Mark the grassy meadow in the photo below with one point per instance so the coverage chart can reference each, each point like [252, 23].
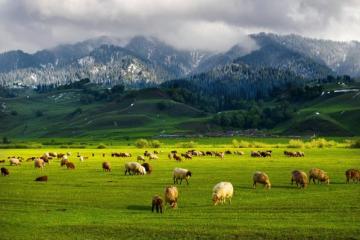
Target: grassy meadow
[87, 203]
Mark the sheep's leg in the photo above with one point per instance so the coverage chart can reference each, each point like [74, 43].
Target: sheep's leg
[181, 180]
[161, 209]
[254, 185]
[174, 180]
[187, 181]
[152, 207]
[157, 208]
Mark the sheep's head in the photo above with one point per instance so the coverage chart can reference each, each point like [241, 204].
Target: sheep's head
[215, 199]
[188, 174]
[268, 184]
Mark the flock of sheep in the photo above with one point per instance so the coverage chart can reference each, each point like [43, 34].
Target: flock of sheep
[221, 192]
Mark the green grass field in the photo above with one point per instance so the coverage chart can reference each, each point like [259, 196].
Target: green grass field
[87, 203]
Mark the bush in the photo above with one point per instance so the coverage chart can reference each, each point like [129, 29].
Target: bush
[101, 146]
[155, 144]
[321, 143]
[258, 145]
[296, 143]
[355, 144]
[141, 143]
[243, 144]
[190, 144]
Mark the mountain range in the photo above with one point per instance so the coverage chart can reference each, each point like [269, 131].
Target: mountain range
[147, 61]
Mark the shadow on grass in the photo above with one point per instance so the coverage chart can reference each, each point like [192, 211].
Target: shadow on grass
[139, 207]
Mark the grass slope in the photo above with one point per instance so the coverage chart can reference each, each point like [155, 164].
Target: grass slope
[88, 203]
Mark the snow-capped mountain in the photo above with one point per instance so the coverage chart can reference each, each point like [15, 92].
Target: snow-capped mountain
[147, 61]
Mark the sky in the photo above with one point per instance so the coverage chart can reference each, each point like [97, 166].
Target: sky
[213, 25]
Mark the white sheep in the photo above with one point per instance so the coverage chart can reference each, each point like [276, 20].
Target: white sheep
[39, 163]
[14, 161]
[134, 168]
[180, 174]
[221, 192]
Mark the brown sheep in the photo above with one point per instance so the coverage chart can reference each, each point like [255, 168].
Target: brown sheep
[157, 203]
[4, 171]
[171, 196]
[255, 154]
[42, 179]
[140, 158]
[261, 177]
[106, 166]
[318, 174]
[147, 167]
[2, 161]
[300, 178]
[39, 163]
[177, 158]
[353, 174]
[70, 165]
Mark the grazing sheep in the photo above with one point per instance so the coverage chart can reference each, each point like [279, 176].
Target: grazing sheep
[353, 174]
[2, 161]
[42, 179]
[52, 154]
[14, 161]
[147, 167]
[157, 202]
[266, 153]
[153, 156]
[221, 192]
[170, 156]
[140, 158]
[177, 158]
[106, 166]
[188, 156]
[181, 173]
[228, 152]
[39, 163]
[171, 196]
[255, 154]
[134, 168]
[70, 165]
[220, 154]
[318, 174]
[208, 153]
[300, 178]
[261, 177]
[60, 155]
[63, 161]
[4, 171]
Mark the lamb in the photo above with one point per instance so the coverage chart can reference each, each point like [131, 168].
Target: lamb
[39, 163]
[134, 168]
[106, 166]
[147, 167]
[140, 158]
[4, 171]
[171, 196]
[261, 177]
[70, 165]
[181, 173]
[318, 174]
[42, 179]
[300, 178]
[353, 174]
[157, 202]
[14, 161]
[221, 192]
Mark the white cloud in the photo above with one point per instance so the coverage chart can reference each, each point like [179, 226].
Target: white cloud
[209, 24]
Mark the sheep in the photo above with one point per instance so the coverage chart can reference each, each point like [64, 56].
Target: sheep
[221, 192]
[228, 152]
[171, 196]
[239, 153]
[156, 152]
[2, 161]
[63, 161]
[220, 154]
[170, 156]
[157, 203]
[52, 154]
[70, 165]
[320, 175]
[106, 166]
[181, 173]
[187, 156]
[140, 158]
[300, 178]
[134, 168]
[261, 177]
[153, 156]
[177, 158]
[147, 167]
[39, 163]
[15, 161]
[255, 154]
[81, 158]
[353, 174]
[42, 179]
[4, 171]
